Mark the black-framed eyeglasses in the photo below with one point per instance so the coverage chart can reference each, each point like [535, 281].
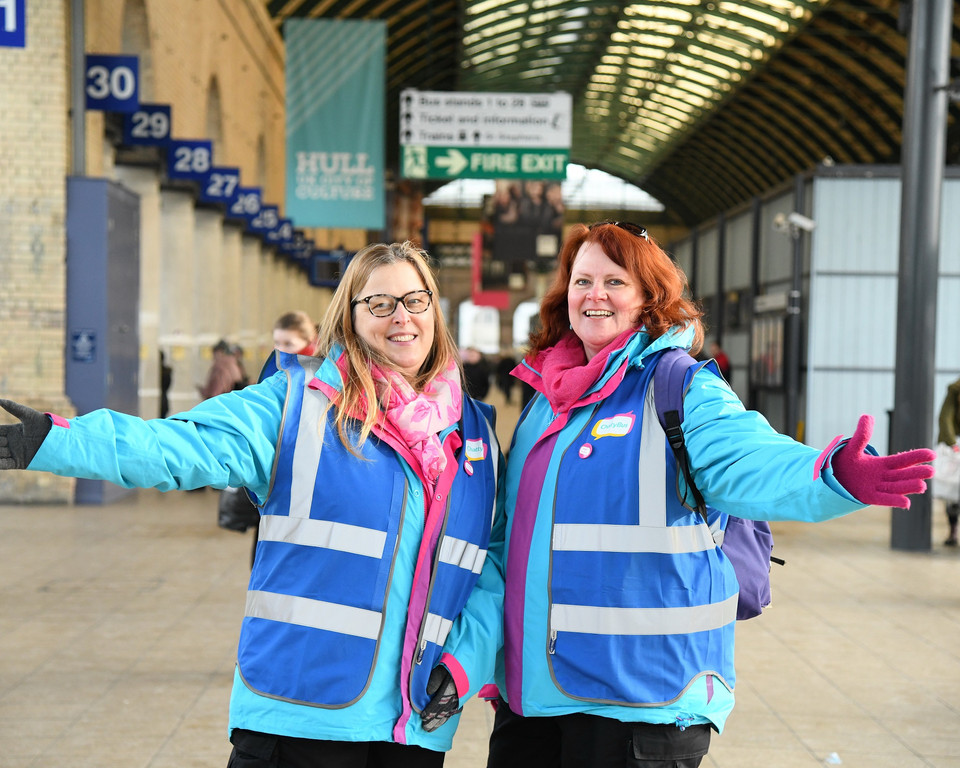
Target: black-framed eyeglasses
[634, 229]
[384, 305]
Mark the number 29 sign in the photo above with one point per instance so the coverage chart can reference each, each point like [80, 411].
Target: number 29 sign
[111, 83]
[148, 124]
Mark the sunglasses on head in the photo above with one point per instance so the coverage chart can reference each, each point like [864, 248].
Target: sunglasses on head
[634, 229]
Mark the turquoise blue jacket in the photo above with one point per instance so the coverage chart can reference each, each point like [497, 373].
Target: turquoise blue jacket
[740, 464]
[231, 440]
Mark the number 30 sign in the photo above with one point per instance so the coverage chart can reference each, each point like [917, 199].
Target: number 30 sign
[112, 83]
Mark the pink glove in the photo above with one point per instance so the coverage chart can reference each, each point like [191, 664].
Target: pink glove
[883, 480]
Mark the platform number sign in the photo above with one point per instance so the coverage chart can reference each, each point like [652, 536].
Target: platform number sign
[282, 233]
[245, 203]
[267, 219]
[13, 23]
[149, 124]
[220, 185]
[189, 159]
[111, 83]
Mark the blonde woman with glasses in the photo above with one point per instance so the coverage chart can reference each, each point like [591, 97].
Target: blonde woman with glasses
[374, 604]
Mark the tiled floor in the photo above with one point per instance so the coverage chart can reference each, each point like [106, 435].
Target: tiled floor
[118, 629]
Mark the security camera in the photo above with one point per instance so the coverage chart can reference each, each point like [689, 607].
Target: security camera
[800, 221]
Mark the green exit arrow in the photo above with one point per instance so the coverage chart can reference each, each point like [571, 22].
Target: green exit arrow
[454, 162]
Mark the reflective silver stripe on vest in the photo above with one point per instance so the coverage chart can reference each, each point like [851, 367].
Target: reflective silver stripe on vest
[595, 620]
[495, 458]
[436, 628]
[585, 537]
[342, 537]
[317, 614]
[306, 452]
[462, 554]
[652, 470]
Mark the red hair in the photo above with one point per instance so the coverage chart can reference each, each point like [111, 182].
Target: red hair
[662, 282]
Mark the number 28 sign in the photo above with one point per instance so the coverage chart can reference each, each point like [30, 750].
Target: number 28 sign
[189, 159]
[111, 83]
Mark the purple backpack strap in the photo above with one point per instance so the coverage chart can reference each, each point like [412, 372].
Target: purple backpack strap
[668, 387]
[748, 544]
[668, 379]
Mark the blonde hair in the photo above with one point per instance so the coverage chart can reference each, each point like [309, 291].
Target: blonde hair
[338, 328]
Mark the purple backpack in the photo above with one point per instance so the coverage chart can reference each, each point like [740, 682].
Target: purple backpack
[748, 544]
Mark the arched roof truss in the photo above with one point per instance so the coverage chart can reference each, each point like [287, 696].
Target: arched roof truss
[703, 103]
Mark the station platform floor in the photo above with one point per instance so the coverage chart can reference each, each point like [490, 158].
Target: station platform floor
[118, 630]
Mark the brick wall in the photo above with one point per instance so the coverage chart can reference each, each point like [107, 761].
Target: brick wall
[184, 46]
[33, 161]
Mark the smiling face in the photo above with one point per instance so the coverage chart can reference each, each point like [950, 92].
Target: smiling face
[403, 338]
[603, 299]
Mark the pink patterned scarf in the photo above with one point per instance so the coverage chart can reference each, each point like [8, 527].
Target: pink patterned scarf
[420, 417]
[567, 374]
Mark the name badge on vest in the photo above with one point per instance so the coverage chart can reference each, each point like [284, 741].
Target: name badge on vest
[475, 450]
[615, 426]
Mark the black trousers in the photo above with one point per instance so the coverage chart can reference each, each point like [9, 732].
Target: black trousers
[264, 750]
[589, 741]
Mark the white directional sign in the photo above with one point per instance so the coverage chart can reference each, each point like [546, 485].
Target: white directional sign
[447, 135]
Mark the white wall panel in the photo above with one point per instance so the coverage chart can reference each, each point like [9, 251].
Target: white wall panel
[683, 254]
[858, 225]
[707, 262]
[853, 304]
[776, 249]
[739, 247]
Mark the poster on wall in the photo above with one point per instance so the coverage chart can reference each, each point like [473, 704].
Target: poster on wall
[335, 83]
[522, 227]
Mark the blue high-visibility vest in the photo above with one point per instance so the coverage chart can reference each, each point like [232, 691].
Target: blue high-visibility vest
[327, 545]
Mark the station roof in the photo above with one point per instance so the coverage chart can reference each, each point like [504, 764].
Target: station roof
[702, 103]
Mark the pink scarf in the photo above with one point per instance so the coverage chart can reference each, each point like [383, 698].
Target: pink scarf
[566, 374]
[420, 417]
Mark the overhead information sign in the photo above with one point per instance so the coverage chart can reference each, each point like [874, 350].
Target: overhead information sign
[447, 135]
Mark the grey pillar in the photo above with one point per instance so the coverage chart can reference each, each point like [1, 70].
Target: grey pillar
[922, 158]
[791, 404]
[78, 84]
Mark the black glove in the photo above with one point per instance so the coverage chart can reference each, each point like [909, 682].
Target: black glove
[445, 702]
[19, 443]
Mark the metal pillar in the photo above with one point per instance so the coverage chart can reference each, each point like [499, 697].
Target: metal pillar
[922, 158]
[791, 406]
[78, 101]
[719, 322]
[755, 216]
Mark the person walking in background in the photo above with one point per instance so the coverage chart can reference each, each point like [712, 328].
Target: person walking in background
[949, 428]
[225, 373]
[620, 606]
[476, 372]
[723, 362]
[166, 379]
[504, 378]
[296, 333]
[374, 605]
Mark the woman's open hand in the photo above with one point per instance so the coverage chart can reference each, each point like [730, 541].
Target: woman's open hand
[883, 480]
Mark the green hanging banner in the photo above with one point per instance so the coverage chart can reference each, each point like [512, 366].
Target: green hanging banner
[335, 81]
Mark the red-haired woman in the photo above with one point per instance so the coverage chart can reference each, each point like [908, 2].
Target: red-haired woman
[620, 607]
